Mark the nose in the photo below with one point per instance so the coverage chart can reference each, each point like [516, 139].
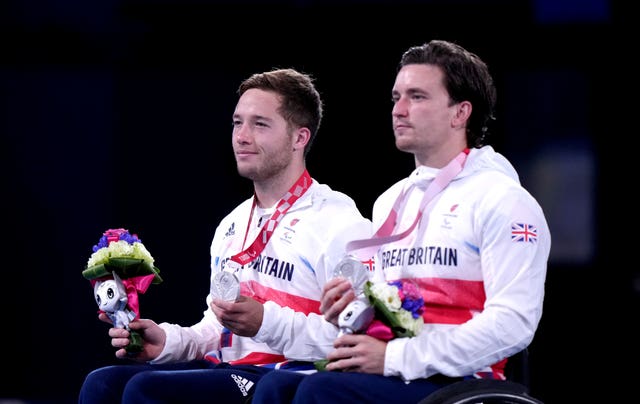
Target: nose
[399, 107]
[241, 133]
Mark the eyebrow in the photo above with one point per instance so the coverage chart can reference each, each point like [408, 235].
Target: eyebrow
[253, 117]
[411, 91]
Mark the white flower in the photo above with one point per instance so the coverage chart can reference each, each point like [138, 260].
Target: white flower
[99, 257]
[388, 294]
[409, 323]
[120, 248]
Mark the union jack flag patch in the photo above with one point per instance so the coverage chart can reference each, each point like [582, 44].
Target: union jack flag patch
[226, 338]
[524, 232]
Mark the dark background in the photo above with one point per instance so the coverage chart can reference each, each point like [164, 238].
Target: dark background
[117, 114]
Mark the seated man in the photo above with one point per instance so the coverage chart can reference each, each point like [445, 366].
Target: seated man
[282, 245]
[460, 227]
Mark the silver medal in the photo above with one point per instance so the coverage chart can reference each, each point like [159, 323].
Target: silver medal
[354, 270]
[225, 286]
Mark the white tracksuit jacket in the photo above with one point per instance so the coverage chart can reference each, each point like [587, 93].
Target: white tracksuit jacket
[287, 276]
[480, 260]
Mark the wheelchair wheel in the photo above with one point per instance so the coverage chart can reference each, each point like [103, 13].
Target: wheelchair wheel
[484, 391]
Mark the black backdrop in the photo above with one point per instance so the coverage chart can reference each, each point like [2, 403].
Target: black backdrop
[117, 114]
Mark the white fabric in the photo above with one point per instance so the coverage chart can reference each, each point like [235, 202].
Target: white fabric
[467, 246]
[307, 245]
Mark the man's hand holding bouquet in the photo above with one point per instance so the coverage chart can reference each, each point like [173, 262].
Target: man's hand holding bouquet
[119, 269]
[386, 311]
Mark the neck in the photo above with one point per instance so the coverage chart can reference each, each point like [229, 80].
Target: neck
[269, 192]
[438, 157]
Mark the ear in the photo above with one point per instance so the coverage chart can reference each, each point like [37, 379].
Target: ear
[462, 114]
[301, 138]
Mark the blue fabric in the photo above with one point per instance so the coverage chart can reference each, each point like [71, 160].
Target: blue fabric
[184, 382]
[281, 386]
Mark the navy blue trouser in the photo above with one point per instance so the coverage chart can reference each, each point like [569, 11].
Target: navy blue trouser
[185, 382]
[283, 386]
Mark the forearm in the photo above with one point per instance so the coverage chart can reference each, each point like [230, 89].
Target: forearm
[296, 335]
[188, 343]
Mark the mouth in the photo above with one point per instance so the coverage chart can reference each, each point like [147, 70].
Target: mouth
[400, 126]
[244, 153]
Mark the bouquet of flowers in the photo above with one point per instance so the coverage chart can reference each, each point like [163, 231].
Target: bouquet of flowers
[120, 268]
[392, 309]
[398, 305]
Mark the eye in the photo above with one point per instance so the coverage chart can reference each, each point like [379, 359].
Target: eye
[98, 300]
[110, 293]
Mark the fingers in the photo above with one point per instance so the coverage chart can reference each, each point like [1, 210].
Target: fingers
[347, 341]
[221, 304]
[243, 317]
[102, 316]
[343, 359]
[237, 310]
[119, 338]
[118, 333]
[141, 324]
[333, 291]
[135, 356]
[338, 282]
[219, 307]
[337, 294]
[120, 342]
[359, 353]
[121, 353]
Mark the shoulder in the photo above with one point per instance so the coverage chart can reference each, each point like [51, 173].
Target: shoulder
[499, 200]
[494, 186]
[323, 197]
[393, 190]
[333, 208]
[241, 210]
[387, 198]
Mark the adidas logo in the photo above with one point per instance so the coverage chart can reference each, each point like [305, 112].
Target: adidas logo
[231, 230]
[243, 384]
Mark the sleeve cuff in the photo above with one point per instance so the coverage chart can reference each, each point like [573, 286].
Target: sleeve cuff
[269, 316]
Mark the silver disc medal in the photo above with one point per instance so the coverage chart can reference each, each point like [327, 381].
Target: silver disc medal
[352, 269]
[225, 286]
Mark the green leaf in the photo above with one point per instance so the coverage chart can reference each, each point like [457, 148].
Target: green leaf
[135, 342]
[96, 271]
[125, 267]
[321, 365]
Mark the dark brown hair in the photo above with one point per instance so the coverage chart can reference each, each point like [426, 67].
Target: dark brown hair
[466, 78]
[301, 103]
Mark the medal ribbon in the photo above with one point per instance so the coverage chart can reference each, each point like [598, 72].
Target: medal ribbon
[293, 194]
[385, 234]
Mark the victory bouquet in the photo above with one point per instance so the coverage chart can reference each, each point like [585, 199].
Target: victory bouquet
[398, 305]
[119, 269]
[388, 310]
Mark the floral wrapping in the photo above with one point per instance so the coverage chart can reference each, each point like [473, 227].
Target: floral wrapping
[123, 254]
[398, 307]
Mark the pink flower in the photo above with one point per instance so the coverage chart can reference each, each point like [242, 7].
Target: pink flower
[380, 330]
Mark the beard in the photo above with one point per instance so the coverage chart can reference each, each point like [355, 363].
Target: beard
[266, 168]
